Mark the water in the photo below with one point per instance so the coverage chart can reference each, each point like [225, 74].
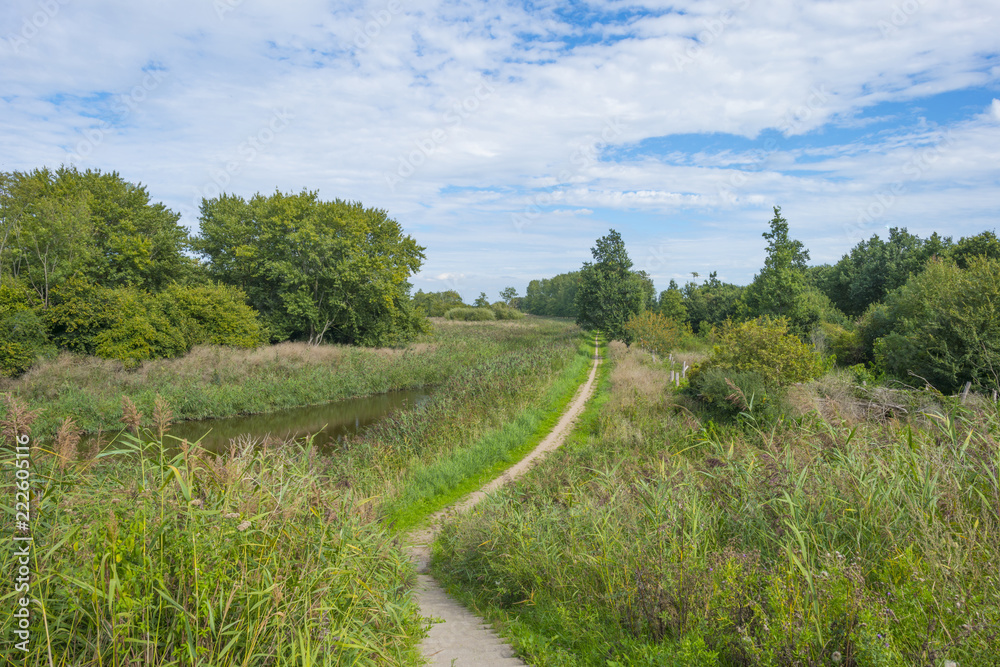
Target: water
[339, 418]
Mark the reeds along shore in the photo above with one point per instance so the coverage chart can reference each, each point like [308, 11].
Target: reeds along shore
[843, 534]
[268, 554]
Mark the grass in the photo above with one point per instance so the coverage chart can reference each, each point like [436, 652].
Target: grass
[432, 487]
[254, 558]
[267, 554]
[213, 381]
[656, 538]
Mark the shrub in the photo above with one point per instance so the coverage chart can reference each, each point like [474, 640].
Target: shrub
[504, 312]
[726, 393]
[765, 346]
[942, 326]
[211, 314]
[655, 333]
[121, 323]
[22, 333]
[470, 314]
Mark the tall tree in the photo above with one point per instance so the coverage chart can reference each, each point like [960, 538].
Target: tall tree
[873, 268]
[315, 270]
[94, 224]
[553, 297]
[610, 293]
[781, 289]
[671, 303]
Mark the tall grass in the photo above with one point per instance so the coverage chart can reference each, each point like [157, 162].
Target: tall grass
[214, 381]
[654, 538]
[252, 558]
[269, 554]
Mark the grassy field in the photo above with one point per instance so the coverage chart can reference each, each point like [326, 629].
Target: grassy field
[855, 532]
[274, 555]
[215, 381]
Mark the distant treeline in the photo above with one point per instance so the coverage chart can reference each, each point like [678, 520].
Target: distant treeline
[917, 309]
[88, 263]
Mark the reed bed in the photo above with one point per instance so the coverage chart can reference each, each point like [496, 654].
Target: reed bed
[656, 538]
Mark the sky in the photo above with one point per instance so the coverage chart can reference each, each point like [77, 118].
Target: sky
[507, 137]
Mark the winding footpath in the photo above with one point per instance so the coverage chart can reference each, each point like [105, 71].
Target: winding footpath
[464, 639]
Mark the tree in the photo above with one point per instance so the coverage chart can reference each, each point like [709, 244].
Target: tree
[436, 304]
[711, 303]
[873, 268]
[655, 333]
[610, 292]
[509, 296]
[482, 301]
[63, 223]
[985, 244]
[781, 289]
[552, 297]
[671, 303]
[315, 270]
[942, 326]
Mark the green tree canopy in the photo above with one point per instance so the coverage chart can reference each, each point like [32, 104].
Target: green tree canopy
[985, 244]
[671, 303]
[942, 326]
[315, 270]
[99, 226]
[710, 303]
[873, 268]
[552, 297]
[436, 304]
[782, 289]
[610, 293]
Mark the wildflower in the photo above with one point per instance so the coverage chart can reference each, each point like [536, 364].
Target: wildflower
[231, 515]
[198, 502]
[836, 657]
[950, 663]
[243, 526]
[824, 574]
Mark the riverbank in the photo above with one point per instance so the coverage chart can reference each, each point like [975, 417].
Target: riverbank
[213, 381]
[267, 555]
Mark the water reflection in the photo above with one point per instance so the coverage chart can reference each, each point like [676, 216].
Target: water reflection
[339, 418]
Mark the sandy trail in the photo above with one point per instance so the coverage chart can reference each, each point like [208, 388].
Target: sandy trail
[464, 638]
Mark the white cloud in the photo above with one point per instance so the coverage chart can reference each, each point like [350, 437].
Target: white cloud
[367, 85]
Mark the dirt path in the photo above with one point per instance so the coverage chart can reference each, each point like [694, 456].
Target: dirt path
[463, 638]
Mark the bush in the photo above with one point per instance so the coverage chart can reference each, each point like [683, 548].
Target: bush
[726, 393]
[122, 323]
[23, 336]
[655, 333]
[502, 311]
[844, 344]
[942, 326]
[470, 314]
[766, 347]
[211, 314]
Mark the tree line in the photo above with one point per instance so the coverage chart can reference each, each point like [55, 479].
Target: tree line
[919, 310]
[89, 263]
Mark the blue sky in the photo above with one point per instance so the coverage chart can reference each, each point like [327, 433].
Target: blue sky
[507, 137]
